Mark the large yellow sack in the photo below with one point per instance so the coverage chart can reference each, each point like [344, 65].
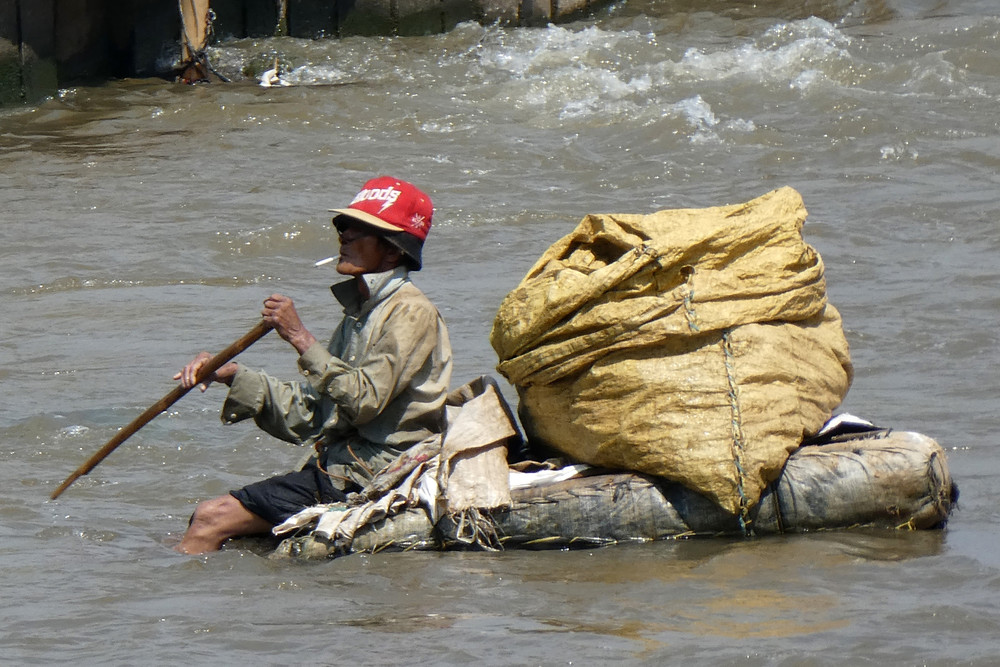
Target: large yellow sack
[695, 344]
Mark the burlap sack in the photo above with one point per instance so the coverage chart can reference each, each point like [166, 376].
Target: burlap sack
[695, 344]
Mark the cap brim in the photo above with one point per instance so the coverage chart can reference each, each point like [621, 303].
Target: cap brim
[366, 218]
[410, 245]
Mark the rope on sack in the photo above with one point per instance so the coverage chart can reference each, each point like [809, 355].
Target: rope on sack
[687, 291]
[738, 440]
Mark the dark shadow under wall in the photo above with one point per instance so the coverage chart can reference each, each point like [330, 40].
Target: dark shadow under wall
[50, 44]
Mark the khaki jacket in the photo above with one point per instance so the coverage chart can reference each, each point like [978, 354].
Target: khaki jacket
[378, 388]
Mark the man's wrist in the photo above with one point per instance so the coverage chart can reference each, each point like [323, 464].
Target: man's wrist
[226, 373]
[303, 342]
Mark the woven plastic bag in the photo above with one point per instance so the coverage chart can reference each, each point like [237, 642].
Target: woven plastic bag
[694, 344]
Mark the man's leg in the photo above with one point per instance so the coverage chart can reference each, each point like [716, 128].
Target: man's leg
[256, 508]
[215, 521]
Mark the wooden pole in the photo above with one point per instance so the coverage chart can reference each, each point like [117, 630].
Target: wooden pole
[281, 30]
[213, 364]
[194, 26]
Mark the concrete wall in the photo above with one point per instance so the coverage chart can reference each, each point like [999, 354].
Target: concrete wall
[11, 86]
[315, 19]
[48, 44]
[27, 48]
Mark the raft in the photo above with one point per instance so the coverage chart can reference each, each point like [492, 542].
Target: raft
[878, 478]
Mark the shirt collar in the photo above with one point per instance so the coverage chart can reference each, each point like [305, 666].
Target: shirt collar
[380, 285]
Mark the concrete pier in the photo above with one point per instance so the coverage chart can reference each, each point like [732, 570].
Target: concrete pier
[48, 44]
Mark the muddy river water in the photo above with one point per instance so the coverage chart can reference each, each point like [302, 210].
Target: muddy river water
[142, 221]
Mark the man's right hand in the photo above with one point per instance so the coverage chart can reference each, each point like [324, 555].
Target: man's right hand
[189, 374]
[279, 311]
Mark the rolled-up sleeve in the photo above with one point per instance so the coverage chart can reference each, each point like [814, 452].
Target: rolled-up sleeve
[291, 411]
[245, 398]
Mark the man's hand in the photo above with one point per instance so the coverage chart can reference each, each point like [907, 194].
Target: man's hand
[279, 312]
[189, 374]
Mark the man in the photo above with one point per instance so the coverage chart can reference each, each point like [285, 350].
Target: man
[378, 388]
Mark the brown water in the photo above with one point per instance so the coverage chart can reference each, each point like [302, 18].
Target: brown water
[143, 221]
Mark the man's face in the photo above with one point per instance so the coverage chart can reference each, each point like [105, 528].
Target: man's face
[362, 251]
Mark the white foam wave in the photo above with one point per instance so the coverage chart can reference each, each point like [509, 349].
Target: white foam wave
[316, 75]
[801, 53]
[602, 76]
[699, 114]
[568, 74]
[527, 52]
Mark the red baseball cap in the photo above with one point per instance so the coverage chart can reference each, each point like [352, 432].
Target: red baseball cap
[392, 205]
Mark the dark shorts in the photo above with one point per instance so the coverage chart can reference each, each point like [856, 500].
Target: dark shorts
[280, 497]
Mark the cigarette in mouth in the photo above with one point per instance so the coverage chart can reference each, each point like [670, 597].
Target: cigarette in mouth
[327, 260]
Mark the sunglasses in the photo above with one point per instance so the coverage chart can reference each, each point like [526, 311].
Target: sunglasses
[349, 237]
